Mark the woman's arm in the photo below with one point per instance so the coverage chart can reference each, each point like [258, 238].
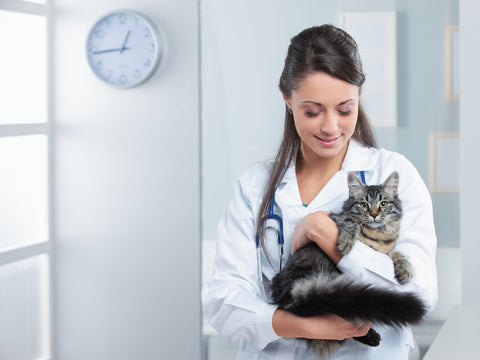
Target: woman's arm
[321, 229]
[325, 327]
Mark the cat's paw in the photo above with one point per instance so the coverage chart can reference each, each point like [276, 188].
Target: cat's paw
[371, 339]
[403, 268]
[344, 243]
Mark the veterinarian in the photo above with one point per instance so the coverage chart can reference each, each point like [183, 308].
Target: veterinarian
[326, 136]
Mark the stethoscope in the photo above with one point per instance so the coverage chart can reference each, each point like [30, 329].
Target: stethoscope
[279, 231]
[280, 240]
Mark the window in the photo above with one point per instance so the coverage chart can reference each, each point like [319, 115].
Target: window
[25, 235]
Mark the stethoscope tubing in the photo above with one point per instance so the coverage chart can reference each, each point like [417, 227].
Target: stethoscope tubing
[280, 238]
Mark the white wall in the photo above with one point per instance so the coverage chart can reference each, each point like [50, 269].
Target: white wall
[469, 164]
[126, 200]
[244, 45]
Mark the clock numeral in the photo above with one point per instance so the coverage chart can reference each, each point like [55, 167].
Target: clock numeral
[107, 22]
[99, 33]
[99, 65]
[152, 48]
[123, 79]
[122, 19]
[146, 33]
[137, 74]
[147, 63]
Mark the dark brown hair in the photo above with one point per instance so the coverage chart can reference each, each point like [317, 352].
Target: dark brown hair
[326, 49]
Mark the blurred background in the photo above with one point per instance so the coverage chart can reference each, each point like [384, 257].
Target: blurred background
[109, 198]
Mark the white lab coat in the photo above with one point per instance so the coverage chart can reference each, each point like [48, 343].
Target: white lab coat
[232, 298]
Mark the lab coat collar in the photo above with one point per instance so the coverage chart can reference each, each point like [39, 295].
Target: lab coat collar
[358, 158]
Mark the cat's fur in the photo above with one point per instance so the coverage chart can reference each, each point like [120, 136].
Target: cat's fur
[311, 284]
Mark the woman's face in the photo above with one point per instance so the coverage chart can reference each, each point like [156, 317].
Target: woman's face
[325, 111]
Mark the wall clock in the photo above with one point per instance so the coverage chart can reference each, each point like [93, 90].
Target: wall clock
[123, 48]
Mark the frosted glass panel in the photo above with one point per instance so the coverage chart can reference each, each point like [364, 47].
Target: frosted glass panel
[24, 316]
[23, 191]
[23, 85]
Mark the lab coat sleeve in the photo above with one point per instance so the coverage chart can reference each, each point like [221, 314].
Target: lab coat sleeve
[231, 297]
[417, 239]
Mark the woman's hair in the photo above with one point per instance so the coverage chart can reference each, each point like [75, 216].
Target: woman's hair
[326, 49]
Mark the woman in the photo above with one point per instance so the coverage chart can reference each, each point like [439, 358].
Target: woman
[326, 136]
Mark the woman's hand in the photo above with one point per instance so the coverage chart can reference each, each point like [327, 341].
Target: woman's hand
[324, 327]
[333, 327]
[321, 229]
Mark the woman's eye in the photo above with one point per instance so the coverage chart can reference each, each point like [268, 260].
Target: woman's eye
[345, 113]
[312, 110]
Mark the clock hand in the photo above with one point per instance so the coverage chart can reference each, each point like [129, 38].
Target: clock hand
[125, 42]
[110, 50]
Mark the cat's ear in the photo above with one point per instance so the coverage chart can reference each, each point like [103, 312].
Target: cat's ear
[355, 185]
[391, 184]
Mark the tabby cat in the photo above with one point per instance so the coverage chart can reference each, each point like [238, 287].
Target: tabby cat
[311, 284]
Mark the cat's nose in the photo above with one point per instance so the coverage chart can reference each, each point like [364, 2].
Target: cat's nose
[374, 215]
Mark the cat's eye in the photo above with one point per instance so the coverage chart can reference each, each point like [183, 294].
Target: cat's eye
[383, 204]
[364, 205]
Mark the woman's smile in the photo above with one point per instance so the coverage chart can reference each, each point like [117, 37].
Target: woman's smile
[327, 142]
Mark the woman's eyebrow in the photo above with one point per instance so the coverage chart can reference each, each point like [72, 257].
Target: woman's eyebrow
[320, 104]
[347, 101]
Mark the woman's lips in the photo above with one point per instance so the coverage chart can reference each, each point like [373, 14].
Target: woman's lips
[328, 142]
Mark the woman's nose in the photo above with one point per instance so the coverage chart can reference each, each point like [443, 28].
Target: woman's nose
[329, 124]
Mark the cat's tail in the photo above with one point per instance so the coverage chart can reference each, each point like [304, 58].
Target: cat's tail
[354, 301]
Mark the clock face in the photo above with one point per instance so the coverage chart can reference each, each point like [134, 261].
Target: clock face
[123, 49]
